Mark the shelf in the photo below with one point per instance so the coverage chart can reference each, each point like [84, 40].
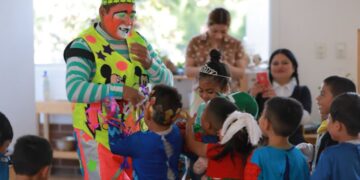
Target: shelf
[50, 108]
[54, 107]
[65, 154]
[310, 138]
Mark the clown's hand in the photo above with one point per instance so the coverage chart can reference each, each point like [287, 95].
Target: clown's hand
[132, 95]
[141, 54]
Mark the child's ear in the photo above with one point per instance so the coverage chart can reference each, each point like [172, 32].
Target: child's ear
[44, 172]
[267, 124]
[339, 126]
[226, 89]
[102, 11]
[206, 125]
[148, 108]
[148, 112]
[152, 101]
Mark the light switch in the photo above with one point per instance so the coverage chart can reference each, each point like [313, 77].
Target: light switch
[340, 50]
[320, 51]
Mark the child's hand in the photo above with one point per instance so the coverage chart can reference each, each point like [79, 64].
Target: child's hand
[190, 121]
[200, 165]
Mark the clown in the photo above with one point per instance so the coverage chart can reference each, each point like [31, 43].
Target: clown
[108, 67]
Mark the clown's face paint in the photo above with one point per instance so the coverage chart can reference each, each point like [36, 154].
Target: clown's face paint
[119, 20]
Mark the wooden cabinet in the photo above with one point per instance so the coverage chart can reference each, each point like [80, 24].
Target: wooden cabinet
[48, 108]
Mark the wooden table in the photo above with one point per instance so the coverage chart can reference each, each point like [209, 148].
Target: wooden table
[48, 108]
[310, 138]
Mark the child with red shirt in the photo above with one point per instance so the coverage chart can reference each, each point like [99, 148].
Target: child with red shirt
[238, 133]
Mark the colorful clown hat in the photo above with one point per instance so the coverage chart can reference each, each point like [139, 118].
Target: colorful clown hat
[109, 2]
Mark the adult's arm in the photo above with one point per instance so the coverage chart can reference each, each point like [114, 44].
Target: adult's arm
[305, 98]
[238, 69]
[158, 72]
[79, 72]
[190, 67]
[194, 146]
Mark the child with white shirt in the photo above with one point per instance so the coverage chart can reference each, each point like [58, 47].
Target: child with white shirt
[284, 82]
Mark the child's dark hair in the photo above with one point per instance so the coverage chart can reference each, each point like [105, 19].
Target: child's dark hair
[291, 57]
[31, 154]
[167, 105]
[284, 114]
[239, 143]
[339, 85]
[219, 16]
[345, 108]
[215, 70]
[6, 131]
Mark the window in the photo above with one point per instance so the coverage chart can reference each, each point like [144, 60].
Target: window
[168, 25]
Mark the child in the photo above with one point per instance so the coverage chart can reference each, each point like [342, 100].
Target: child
[6, 136]
[332, 86]
[214, 80]
[342, 161]
[238, 131]
[279, 160]
[32, 158]
[155, 153]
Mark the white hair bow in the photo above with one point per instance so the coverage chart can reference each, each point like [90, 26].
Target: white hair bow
[235, 122]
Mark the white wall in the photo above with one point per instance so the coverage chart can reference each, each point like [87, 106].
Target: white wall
[306, 25]
[17, 65]
[56, 75]
[257, 28]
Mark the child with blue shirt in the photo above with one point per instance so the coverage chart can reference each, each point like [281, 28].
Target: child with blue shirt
[155, 153]
[279, 159]
[342, 161]
[6, 136]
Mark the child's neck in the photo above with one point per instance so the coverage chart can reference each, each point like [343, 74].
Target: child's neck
[23, 177]
[346, 137]
[279, 142]
[158, 129]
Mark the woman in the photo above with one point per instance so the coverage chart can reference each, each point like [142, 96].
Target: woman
[283, 76]
[217, 37]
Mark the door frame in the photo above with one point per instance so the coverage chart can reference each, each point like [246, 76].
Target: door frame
[358, 61]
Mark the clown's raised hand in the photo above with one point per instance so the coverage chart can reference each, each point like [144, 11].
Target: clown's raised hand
[141, 54]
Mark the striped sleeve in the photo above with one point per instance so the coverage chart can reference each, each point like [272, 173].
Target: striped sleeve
[79, 73]
[158, 72]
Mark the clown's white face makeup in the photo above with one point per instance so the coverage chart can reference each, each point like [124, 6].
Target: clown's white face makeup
[119, 20]
[124, 31]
